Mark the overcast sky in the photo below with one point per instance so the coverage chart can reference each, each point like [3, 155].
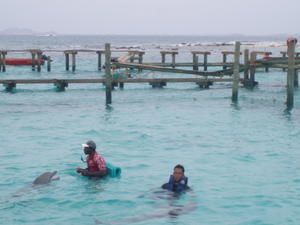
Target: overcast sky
[182, 17]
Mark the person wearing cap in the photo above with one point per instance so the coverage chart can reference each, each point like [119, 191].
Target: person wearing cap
[96, 166]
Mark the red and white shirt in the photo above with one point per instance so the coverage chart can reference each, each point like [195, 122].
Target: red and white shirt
[95, 162]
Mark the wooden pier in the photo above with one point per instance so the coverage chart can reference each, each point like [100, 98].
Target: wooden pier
[224, 71]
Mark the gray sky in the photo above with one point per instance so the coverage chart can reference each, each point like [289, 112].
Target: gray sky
[182, 17]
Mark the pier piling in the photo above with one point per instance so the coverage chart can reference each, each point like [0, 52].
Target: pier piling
[267, 55]
[296, 79]
[246, 66]
[205, 55]
[172, 53]
[252, 82]
[48, 63]
[2, 60]
[224, 60]
[108, 76]
[141, 59]
[67, 61]
[284, 56]
[236, 72]
[291, 43]
[163, 57]
[99, 53]
[39, 57]
[74, 60]
[196, 59]
[195, 62]
[33, 60]
[225, 54]
[173, 60]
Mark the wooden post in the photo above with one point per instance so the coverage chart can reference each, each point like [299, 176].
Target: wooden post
[296, 79]
[236, 72]
[39, 56]
[99, 60]
[291, 43]
[74, 61]
[140, 60]
[33, 61]
[0, 61]
[131, 59]
[108, 77]
[246, 65]
[173, 60]
[205, 61]
[48, 63]
[283, 55]
[163, 57]
[252, 69]
[3, 61]
[195, 62]
[67, 61]
[224, 60]
[267, 54]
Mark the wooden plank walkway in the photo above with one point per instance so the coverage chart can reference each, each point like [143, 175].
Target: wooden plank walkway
[102, 80]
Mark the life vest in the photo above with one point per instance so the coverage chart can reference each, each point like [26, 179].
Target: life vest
[179, 186]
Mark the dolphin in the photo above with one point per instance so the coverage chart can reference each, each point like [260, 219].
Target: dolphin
[45, 178]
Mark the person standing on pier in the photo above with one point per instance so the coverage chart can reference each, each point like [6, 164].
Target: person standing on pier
[96, 166]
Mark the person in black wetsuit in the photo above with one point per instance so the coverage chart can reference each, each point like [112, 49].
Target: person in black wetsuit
[178, 182]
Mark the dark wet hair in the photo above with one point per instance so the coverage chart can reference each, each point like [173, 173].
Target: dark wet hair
[179, 167]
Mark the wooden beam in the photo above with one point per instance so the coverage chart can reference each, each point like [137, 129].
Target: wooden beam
[171, 70]
[101, 80]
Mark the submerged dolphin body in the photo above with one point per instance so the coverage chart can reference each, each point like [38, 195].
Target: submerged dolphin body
[171, 211]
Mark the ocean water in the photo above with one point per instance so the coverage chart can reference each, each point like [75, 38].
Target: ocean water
[242, 160]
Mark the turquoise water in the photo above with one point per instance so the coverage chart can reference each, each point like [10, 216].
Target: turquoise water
[242, 160]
